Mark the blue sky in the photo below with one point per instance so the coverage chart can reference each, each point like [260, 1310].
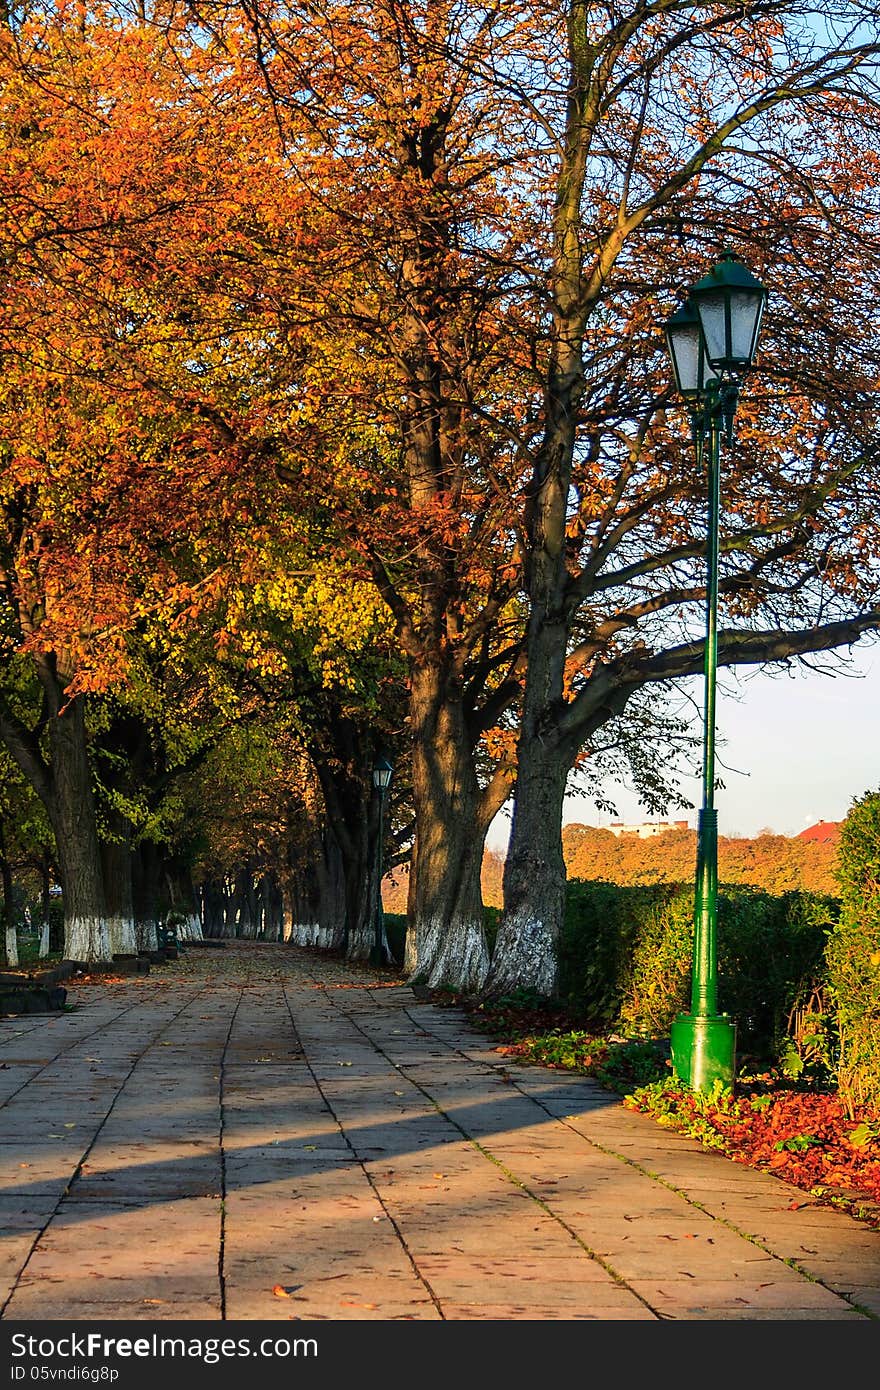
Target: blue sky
[796, 748]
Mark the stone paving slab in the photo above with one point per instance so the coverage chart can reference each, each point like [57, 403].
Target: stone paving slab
[268, 1133]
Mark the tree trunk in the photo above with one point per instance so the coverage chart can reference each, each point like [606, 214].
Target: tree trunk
[214, 908]
[304, 909]
[183, 898]
[272, 906]
[145, 894]
[9, 934]
[116, 866]
[72, 813]
[347, 886]
[64, 784]
[526, 948]
[288, 893]
[308, 870]
[360, 903]
[446, 942]
[230, 908]
[246, 921]
[347, 849]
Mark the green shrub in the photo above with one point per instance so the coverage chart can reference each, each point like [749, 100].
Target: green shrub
[770, 959]
[491, 919]
[853, 955]
[603, 924]
[659, 981]
[625, 957]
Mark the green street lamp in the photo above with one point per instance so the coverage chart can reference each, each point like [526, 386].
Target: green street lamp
[382, 772]
[712, 341]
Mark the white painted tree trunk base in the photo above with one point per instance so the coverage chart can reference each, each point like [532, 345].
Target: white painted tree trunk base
[87, 939]
[311, 934]
[454, 955]
[123, 941]
[190, 929]
[146, 936]
[11, 946]
[361, 943]
[525, 957]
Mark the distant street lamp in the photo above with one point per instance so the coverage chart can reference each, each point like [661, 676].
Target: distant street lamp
[712, 341]
[382, 771]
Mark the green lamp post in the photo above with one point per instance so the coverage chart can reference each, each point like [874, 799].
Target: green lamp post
[382, 770]
[711, 341]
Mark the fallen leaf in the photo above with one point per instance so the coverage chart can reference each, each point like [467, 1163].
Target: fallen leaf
[154, 1301]
[70, 1125]
[280, 1291]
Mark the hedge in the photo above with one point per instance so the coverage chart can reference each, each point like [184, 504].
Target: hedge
[854, 954]
[625, 956]
[625, 962]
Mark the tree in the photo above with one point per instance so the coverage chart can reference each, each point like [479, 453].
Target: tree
[697, 120]
[509, 193]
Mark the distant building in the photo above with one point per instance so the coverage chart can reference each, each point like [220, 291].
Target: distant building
[827, 832]
[647, 829]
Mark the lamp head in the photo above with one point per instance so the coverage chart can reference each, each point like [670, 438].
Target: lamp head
[729, 303]
[687, 349]
[382, 771]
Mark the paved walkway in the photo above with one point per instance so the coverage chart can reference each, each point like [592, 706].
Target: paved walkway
[260, 1133]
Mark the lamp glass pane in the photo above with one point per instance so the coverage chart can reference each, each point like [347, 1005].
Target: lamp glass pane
[745, 313]
[684, 349]
[382, 777]
[708, 373]
[712, 311]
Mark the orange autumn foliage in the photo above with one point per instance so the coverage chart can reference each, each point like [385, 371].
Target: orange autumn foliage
[775, 863]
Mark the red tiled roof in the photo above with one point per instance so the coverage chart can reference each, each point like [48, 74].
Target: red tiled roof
[825, 831]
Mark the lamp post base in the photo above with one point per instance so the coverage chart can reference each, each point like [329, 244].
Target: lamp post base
[704, 1050]
[377, 956]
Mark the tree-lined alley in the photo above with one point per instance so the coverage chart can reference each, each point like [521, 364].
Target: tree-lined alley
[336, 418]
